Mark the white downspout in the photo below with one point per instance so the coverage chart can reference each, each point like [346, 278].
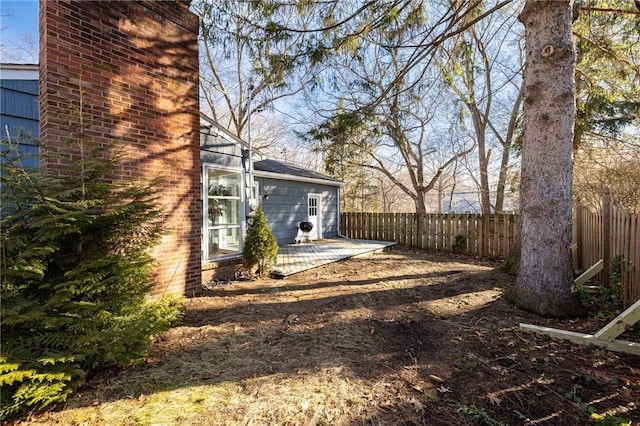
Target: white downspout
[249, 89]
[250, 201]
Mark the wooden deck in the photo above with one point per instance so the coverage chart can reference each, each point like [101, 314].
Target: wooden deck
[294, 258]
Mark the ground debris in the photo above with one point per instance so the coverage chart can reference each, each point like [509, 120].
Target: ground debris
[435, 378]
[364, 341]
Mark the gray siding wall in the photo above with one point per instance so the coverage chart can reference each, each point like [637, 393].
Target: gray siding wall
[217, 150]
[286, 207]
[20, 112]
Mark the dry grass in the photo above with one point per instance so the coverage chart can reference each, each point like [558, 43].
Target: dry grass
[354, 343]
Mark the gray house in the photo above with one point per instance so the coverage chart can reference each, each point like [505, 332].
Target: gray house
[288, 195]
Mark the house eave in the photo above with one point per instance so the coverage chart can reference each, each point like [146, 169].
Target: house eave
[19, 71]
[271, 175]
[215, 129]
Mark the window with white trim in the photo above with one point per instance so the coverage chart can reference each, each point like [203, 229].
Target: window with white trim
[224, 212]
[313, 206]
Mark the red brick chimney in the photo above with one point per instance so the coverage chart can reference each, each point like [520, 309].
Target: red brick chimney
[134, 67]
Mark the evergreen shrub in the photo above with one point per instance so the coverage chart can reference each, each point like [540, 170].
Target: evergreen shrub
[75, 267]
[260, 247]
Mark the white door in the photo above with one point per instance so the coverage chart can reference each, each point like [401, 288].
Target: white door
[314, 213]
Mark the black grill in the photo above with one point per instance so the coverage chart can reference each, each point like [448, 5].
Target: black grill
[306, 226]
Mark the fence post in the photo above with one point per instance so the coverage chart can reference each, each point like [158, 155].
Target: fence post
[606, 238]
[579, 239]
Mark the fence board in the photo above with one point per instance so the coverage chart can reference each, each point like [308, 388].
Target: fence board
[466, 248]
[432, 233]
[472, 235]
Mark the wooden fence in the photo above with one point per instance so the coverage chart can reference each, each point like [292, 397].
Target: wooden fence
[612, 235]
[474, 234]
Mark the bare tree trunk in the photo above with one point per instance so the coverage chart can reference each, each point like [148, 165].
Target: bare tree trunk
[419, 201]
[507, 145]
[484, 155]
[485, 195]
[546, 275]
[502, 179]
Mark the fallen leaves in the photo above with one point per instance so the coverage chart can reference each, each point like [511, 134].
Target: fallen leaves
[443, 389]
[494, 399]
[417, 406]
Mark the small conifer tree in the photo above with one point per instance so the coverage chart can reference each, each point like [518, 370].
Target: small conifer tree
[260, 246]
[75, 268]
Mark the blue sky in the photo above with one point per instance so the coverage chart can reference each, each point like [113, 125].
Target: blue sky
[18, 18]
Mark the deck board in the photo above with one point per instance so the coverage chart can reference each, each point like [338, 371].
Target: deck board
[294, 258]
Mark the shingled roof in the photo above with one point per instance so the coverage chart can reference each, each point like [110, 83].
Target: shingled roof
[292, 171]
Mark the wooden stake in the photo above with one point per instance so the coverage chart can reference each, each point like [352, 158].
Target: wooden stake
[604, 338]
[588, 274]
[585, 339]
[623, 321]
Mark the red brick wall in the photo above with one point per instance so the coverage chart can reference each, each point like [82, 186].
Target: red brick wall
[133, 67]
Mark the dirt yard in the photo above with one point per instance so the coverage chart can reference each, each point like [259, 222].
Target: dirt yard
[400, 338]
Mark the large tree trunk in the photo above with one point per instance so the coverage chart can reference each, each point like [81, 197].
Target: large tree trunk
[546, 274]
